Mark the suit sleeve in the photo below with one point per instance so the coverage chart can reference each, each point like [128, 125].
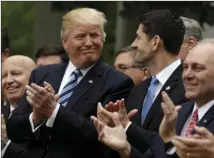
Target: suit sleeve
[68, 125]
[79, 126]
[147, 142]
[14, 151]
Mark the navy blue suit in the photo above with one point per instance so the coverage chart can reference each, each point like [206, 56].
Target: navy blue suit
[206, 121]
[73, 134]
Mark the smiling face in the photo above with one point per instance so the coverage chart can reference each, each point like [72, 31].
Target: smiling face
[198, 73]
[143, 46]
[84, 45]
[15, 76]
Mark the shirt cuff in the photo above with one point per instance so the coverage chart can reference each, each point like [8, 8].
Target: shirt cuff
[127, 126]
[5, 148]
[171, 151]
[51, 119]
[32, 125]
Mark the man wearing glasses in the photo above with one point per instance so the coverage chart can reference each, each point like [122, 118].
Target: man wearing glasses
[125, 63]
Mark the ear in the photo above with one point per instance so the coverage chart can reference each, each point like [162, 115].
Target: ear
[64, 43]
[156, 41]
[191, 42]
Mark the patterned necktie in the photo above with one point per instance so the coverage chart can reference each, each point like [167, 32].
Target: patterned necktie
[149, 99]
[192, 123]
[69, 87]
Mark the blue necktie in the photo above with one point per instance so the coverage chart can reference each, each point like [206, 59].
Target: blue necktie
[149, 99]
[69, 87]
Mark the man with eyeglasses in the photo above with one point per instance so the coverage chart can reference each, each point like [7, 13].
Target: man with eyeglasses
[125, 63]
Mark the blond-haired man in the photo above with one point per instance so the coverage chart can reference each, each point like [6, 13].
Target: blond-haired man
[61, 126]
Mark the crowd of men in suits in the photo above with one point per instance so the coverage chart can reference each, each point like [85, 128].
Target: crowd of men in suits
[86, 108]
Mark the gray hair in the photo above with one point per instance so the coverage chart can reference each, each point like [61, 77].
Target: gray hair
[206, 41]
[192, 28]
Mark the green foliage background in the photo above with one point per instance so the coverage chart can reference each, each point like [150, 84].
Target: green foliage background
[18, 18]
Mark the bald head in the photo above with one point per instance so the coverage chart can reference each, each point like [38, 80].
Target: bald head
[198, 74]
[16, 71]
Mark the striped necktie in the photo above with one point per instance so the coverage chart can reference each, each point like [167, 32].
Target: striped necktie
[69, 87]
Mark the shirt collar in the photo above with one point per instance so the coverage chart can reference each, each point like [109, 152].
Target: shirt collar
[71, 68]
[164, 75]
[203, 109]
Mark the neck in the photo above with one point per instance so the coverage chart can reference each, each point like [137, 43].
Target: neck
[160, 61]
[203, 101]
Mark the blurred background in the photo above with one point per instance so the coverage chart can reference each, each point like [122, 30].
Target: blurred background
[34, 24]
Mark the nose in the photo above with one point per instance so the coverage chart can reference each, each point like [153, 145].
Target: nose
[88, 41]
[134, 44]
[9, 79]
[187, 74]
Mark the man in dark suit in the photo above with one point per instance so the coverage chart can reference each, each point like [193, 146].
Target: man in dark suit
[158, 42]
[16, 72]
[60, 126]
[198, 77]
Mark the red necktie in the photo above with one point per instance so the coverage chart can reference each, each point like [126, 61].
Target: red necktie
[192, 123]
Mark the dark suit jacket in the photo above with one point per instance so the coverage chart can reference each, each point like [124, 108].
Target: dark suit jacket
[73, 133]
[15, 151]
[207, 120]
[5, 109]
[137, 95]
[148, 143]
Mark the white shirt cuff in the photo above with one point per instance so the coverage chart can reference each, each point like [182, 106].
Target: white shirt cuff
[5, 148]
[171, 151]
[51, 119]
[127, 126]
[32, 125]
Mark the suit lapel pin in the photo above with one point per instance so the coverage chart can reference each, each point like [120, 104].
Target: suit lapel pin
[167, 88]
[90, 81]
[205, 121]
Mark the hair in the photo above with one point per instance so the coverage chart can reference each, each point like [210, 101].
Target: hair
[206, 41]
[167, 25]
[82, 16]
[4, 39]
[192, 28]
[131, 51]
[50, 50]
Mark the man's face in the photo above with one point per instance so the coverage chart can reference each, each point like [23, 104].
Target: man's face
[14, 79]
[124, 63]
[47, 60]
[143, 46]
[84, 45]
[198, 73]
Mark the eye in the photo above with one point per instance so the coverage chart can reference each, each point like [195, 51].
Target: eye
[80, 36]
[16, 73]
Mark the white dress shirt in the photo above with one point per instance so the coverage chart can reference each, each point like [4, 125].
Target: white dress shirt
[162, 77]
[70, 68]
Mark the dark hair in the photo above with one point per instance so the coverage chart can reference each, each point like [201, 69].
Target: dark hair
[167, 25]
[50, 50]
[4, 39]
[131, 50]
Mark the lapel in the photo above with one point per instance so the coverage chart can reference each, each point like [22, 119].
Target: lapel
[88, 81]
[55, 76]
[6, 111]
[207, 117]
[168, 87]
[183, 116]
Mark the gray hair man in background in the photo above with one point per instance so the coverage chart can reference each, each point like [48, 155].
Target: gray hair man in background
[193, 34]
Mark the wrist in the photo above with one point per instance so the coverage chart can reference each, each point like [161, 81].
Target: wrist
[126, 152]
[37, 118]
[126, 123]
